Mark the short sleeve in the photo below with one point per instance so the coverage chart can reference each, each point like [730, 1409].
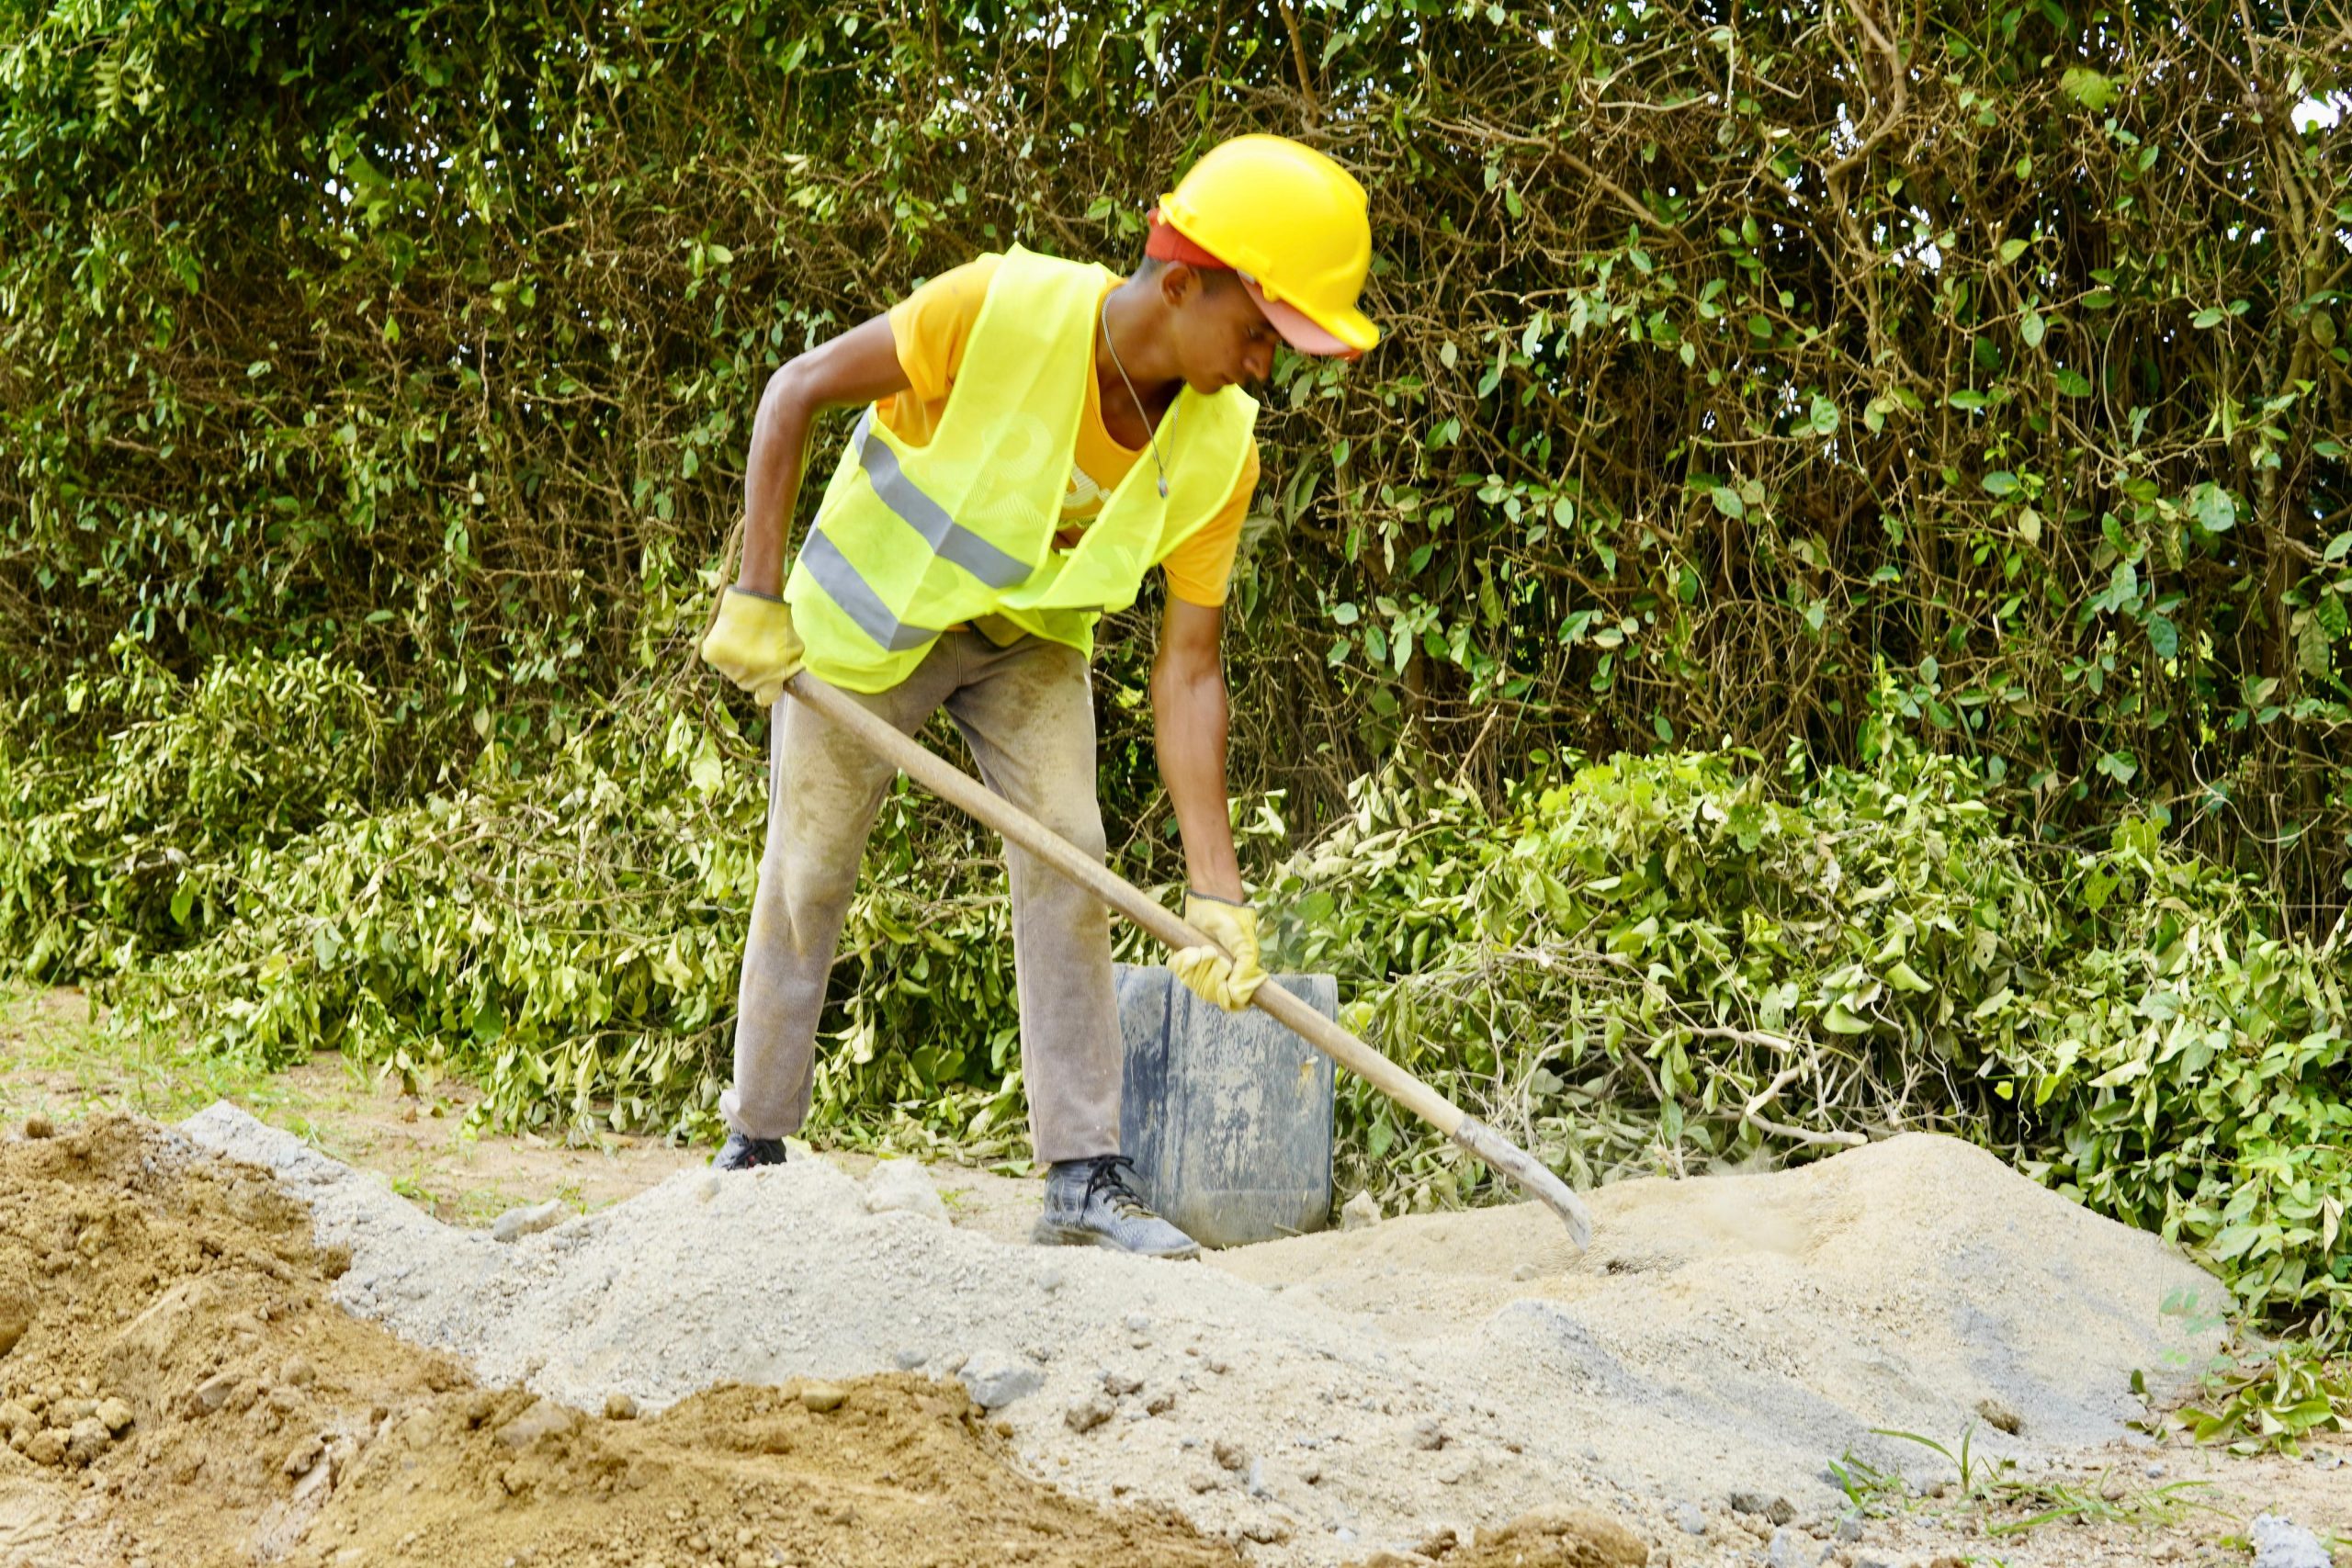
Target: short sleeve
[930, 327]
[1200, 570]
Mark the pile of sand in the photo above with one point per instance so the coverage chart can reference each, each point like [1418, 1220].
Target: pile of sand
[1316, 1399]
[178, 1388]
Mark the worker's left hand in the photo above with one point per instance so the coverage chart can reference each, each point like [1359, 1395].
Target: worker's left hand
[1214, 976]
[750, 641]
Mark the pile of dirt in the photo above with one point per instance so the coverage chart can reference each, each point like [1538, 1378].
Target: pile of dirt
[1316, 1400]
[177, 1387]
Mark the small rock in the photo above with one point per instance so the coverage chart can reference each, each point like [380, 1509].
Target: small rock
[304, 1455]
[1525, 1271]
[1779, 1510]
[298, 1373]
[214, 1392]
[1160, 1402]
[1266, 1532]
[1118, 1384]
[903, 1186]
[1359, 1211]
[540, 1418]
[1230, 1454]
[39, 1125]
[1692, 1521]
[1087, 1413]
[907, 1360]
[516, 1224]
[821, 1398]
[1049, 1280]
[1785, 1549]
[17, 1418]
[2000, 1416]
[1201, 1481]
[2155, 1472]
[115, 1415]
[2282, 1543]
[87, 1441]
[1138, 1323]
[46, 1447]
[707, 1188]
[995, 1380]
[1851, 1528]
[1428, 1434]
[620, 1406]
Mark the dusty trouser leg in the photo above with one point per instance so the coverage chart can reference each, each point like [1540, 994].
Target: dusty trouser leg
[1028, 713]
[824, 787]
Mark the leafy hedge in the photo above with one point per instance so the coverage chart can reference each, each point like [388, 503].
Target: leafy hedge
[1734, 357]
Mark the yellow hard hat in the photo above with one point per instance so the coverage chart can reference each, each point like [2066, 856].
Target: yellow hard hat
[1291, 222]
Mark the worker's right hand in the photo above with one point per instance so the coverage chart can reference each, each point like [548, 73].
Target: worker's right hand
[1229, 974]
[752, 643]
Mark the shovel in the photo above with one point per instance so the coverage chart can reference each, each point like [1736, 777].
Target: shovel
[961, 790]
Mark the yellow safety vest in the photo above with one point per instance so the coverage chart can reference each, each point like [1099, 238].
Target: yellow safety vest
[909, 540]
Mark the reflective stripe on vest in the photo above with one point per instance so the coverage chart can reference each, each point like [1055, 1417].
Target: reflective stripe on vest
[941, 534]
[857, 599]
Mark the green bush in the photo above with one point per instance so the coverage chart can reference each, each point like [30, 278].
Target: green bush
[569, 938]
[107, 858]
[1658, 963]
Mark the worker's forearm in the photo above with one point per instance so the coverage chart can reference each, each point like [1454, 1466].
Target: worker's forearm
[772, 482]
[1189, 724]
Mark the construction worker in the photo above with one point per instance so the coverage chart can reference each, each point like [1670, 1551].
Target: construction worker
[1037, 434]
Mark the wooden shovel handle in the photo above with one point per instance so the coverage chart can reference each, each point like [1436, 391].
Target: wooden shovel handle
[967, 794]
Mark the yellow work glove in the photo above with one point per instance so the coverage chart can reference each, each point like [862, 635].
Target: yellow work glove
[753, 644]
[1229, 982]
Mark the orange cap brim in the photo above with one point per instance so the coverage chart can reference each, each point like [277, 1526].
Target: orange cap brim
[1299, 329]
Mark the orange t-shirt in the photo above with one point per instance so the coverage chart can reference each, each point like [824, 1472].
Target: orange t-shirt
[930, 329]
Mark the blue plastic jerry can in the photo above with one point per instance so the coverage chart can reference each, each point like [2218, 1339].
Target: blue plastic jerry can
[1227, 1116]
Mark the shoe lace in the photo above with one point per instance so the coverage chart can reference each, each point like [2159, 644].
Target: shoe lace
[1109, 1178]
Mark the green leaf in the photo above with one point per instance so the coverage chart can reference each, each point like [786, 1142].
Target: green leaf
[2000, 482]
[2072, 383]
[2030, 328]
[2088, 87]
[2216, 510]
[2164, 638]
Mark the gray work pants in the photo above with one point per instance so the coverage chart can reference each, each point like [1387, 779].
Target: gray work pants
[1028, 713]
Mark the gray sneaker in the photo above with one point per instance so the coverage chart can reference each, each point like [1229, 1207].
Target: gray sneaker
[1090, 1203]
[740, 1153]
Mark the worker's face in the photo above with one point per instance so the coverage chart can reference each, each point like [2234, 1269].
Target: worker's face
[1222, 338]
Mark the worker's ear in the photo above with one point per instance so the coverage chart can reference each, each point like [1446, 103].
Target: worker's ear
[1179, 281]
